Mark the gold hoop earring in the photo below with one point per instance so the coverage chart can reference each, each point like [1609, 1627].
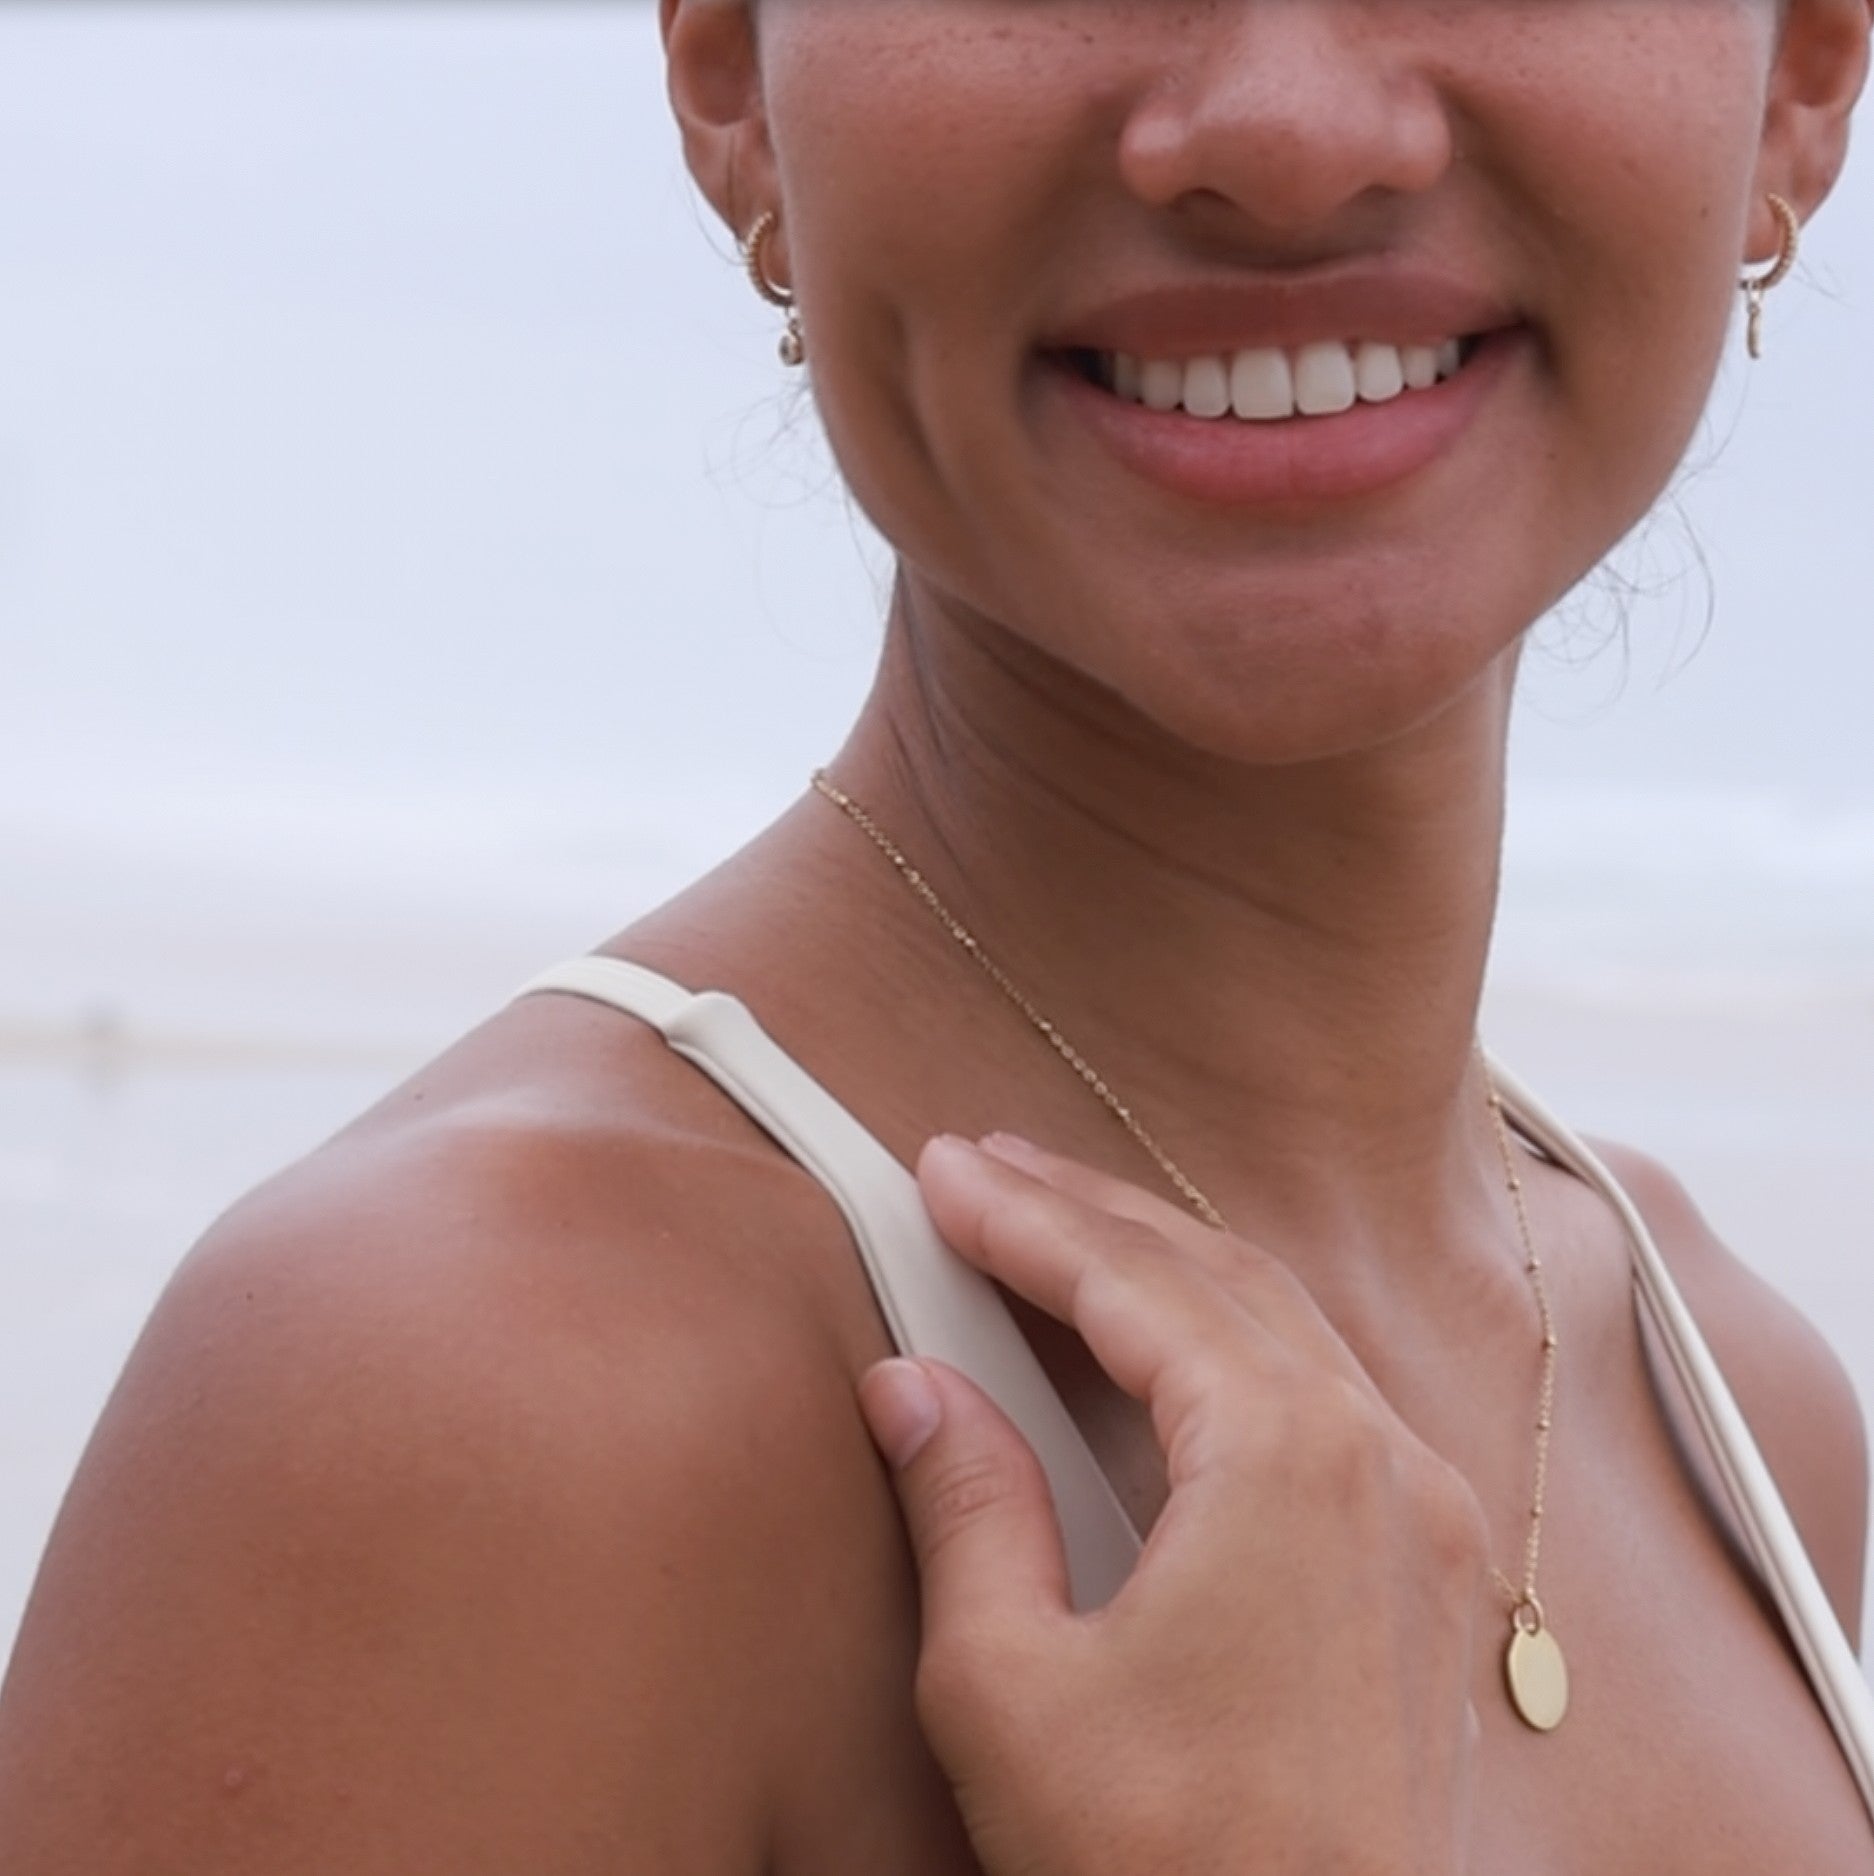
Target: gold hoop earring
[755, 260]
[1755, 286]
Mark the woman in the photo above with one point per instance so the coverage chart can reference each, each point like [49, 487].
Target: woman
[1237, 381]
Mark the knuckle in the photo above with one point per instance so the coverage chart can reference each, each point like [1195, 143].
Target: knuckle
[1085, 1185]
[1362, 1452]
[1452, 1519]
[1254, 1268]
[1309, 1438]
[1131, 1247]
[1127, 1264]
[1265, 1294]
[945, 1693]
[1016, 1220]
[1143, 1257]
[1032, 1212]
[963, 1671]
[952, 1671]
[1351, 1441]
[1037, 1215]
[958, 1492]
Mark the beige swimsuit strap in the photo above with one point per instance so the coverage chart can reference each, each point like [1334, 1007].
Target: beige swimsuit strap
[935, 1304]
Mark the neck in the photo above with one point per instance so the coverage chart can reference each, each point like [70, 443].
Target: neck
[1277, 969]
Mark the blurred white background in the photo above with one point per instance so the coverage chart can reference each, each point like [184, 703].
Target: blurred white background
[412, 564]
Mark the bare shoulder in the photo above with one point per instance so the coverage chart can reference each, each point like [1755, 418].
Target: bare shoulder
[1788, 1381]
[460, 1503]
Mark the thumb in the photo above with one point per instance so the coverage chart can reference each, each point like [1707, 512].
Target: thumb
[974, 1496]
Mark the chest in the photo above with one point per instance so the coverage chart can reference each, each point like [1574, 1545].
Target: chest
[1693, 1747]
[1684, 1750]
[1693, 1742]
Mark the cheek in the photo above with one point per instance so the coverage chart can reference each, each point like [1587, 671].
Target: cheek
[1615, 171]
[907, 125]
[932, 155]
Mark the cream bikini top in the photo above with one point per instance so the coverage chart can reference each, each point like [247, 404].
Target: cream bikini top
[935, 1304]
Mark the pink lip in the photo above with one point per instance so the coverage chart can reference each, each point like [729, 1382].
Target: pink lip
[1393, 302]
[1302, 460]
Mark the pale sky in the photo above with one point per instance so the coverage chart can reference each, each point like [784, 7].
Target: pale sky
[387, 440]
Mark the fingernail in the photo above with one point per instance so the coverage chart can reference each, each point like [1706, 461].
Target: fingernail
[1015, 1150]
[901, 1407]
[954, 1147]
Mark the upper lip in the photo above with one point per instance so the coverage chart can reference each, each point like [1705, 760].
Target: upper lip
[1388, 302]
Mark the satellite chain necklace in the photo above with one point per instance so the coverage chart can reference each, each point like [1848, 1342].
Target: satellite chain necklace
[1534, 1670]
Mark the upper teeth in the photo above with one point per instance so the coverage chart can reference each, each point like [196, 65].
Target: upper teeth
[1266, 383]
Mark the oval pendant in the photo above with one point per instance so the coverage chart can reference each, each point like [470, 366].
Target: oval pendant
[1538, 1677]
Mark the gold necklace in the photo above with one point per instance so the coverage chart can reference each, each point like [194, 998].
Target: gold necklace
[1535, 1672]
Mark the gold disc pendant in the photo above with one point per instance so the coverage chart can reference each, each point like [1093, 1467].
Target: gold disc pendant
[1534, 1668]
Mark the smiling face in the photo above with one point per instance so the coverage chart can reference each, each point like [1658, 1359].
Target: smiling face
[1272, 363]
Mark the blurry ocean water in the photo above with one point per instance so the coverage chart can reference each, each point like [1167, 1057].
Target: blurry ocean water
[190, 1001]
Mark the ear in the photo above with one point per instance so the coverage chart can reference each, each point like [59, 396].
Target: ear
[713, 70]
[1821, 65]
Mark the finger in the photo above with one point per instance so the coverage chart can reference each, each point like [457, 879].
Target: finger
[1106, 1190]
[1258, 1279]
[975, 1498]
[1155, 1322]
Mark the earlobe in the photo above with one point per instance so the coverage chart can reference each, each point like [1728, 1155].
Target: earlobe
[713, 74]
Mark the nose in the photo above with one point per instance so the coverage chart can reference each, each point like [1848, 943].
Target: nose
[1282, 113]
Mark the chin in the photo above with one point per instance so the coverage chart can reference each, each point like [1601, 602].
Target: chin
[1273, 683]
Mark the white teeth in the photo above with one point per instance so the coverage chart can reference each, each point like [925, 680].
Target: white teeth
[1324, 381]
[1162, 384]
[1268, 385]
[1378, 373]
[1262, 386]
[1421, 366]
[1207, 388]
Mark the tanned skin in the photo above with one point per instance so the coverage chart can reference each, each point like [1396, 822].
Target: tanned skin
[489, 1491]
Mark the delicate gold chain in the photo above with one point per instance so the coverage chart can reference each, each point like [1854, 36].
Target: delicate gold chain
[1520, 1598]
[1061, 1046]
[1525, 1597]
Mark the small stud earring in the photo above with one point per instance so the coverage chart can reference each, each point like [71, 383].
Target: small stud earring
[1755, 286]
[755, 259]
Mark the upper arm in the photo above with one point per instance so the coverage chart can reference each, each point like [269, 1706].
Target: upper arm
[1789, 1383]
[397, 1550]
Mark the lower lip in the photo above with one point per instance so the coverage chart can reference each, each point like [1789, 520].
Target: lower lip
[1300, 459]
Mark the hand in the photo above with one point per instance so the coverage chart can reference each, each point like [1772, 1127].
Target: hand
[1283, 1684]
